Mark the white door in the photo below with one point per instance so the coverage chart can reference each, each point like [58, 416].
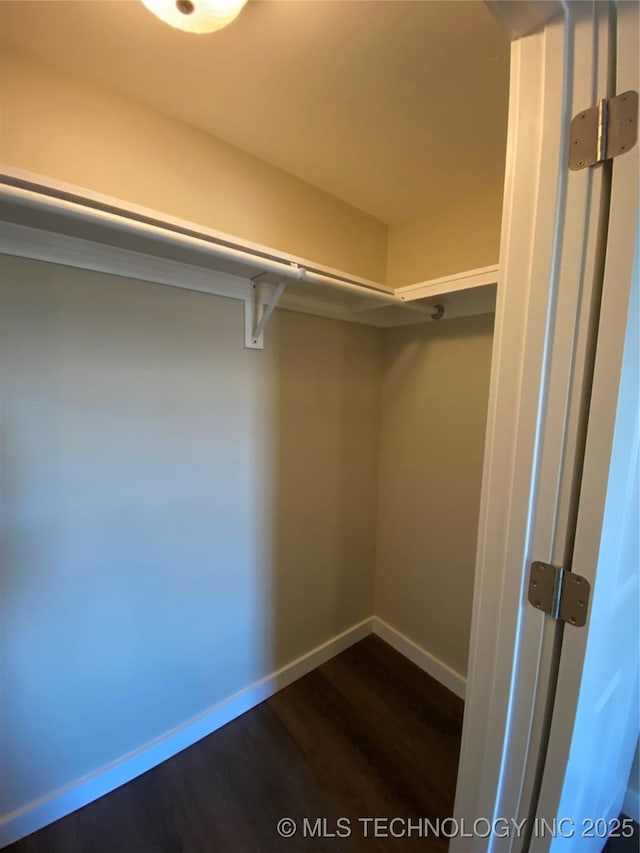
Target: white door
[595, 719]
[548, 327]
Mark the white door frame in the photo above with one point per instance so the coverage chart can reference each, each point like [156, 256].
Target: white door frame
[548, 272]
[607, 521]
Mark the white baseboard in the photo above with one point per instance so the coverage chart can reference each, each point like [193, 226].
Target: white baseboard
[631, 804]
[52, 807]
[435, 668]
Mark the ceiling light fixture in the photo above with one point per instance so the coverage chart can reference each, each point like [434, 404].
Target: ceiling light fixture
[196, 16]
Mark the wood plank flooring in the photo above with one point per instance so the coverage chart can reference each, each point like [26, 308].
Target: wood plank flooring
[366, 735]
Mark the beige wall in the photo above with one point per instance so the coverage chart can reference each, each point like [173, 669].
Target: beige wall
[463, 236]
[434, 403]
[325, 411]
[59, 126]
[72, 130]
[182, 516]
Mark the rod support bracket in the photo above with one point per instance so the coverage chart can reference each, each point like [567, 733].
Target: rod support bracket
[258, 307]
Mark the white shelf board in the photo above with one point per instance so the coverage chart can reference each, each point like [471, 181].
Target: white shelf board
[50, 187]
[98, 232]
[463, 281]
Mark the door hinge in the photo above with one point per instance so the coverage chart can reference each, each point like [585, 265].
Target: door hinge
[604, 131]
[562, 594]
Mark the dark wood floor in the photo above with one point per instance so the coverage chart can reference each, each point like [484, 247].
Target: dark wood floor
[368, 734]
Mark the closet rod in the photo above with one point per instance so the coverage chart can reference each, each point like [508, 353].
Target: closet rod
[290, 269]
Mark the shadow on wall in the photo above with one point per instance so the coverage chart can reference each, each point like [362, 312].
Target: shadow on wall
[326, 423]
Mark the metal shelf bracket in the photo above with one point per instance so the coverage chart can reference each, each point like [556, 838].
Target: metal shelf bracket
[258, 308]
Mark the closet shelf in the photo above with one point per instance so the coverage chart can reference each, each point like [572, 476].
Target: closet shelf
[481, 277]
[47, 220]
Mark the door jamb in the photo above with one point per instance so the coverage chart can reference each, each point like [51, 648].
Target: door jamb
[509, 652]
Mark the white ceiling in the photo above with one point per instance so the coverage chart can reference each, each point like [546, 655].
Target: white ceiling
[398, 108]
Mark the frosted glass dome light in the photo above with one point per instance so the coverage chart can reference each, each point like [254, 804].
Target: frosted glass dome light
[196, 16]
